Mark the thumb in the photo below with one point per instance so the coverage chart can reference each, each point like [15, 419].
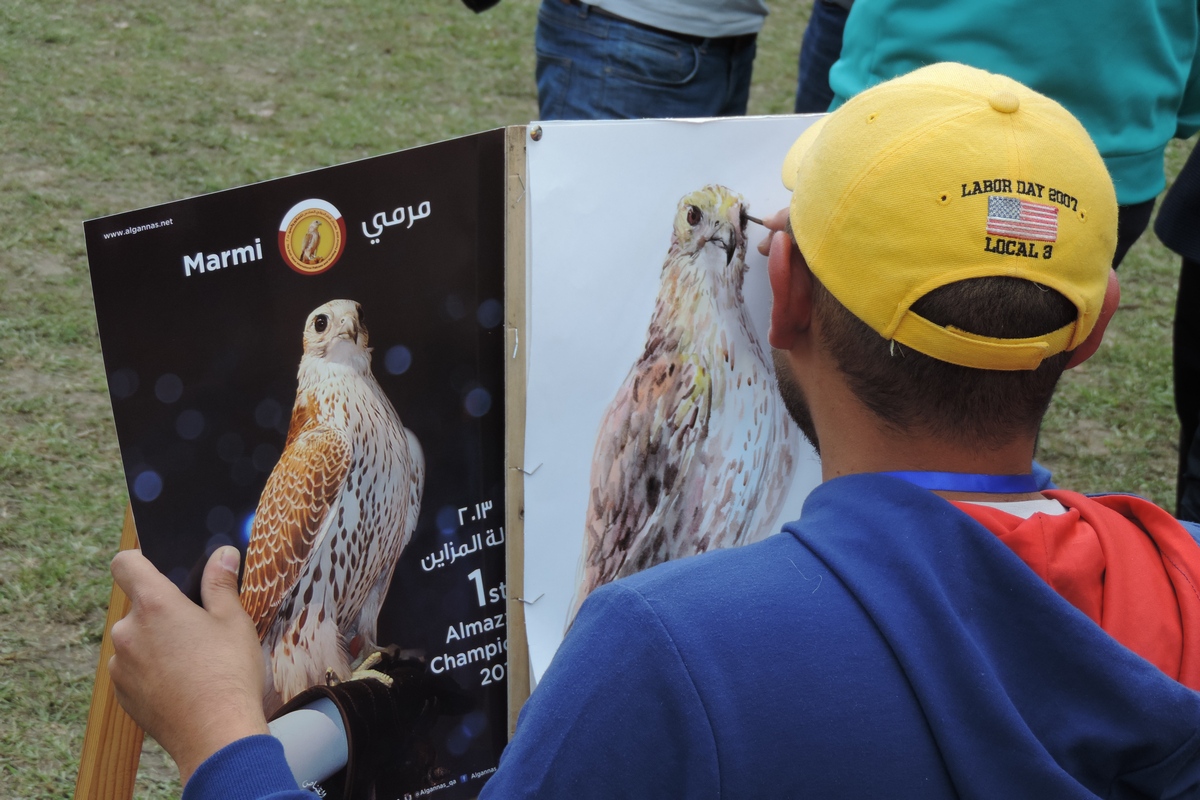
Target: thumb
[218, 586]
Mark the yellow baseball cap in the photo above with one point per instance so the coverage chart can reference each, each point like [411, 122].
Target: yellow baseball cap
[945, 174]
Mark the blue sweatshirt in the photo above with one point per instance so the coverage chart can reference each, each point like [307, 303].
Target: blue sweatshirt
[885, 645]
[1121, 66]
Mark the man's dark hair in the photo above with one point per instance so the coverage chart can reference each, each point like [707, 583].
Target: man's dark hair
[912, 391]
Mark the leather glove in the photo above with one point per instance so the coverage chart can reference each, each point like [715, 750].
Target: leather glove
[387, 727]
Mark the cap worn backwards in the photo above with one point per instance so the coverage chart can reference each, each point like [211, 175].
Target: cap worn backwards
[945, 174]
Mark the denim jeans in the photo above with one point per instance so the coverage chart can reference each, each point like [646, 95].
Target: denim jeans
[592, 66]
[821, 46]
[1186, 364]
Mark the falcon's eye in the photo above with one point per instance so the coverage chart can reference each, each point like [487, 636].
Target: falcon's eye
[693, 216]
[320, 323]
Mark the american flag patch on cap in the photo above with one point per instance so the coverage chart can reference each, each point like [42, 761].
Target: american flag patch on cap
[1021, 219]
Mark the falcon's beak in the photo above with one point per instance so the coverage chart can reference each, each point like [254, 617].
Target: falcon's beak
[728, 242]
[348, 329]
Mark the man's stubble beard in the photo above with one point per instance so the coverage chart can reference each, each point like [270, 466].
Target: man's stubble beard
[793, 398]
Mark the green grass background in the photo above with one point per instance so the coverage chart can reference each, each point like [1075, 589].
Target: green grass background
[111, 106]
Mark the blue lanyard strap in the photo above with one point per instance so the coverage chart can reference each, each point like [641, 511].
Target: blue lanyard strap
[969, 482]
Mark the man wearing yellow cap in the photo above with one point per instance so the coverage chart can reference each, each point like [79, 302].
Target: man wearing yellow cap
[939, 623]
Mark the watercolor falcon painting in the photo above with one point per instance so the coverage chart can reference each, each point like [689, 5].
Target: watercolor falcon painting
[335, 515]
[696, 451]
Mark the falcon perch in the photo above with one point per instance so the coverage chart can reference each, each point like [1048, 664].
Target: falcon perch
[337, 511]
[696, 451]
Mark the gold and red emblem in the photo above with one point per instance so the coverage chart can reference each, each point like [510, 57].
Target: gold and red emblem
[312, 236]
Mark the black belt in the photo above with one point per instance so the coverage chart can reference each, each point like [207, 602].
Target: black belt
[735, 43]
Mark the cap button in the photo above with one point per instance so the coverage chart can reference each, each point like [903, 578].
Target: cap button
[1005, 102]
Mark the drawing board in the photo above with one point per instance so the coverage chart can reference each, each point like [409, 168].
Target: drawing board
[602, 200]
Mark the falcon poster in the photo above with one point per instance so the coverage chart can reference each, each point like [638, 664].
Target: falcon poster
[311, 369]
[653, 429]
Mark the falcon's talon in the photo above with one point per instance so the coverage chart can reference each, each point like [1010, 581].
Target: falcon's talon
[364, 670]
[361, 674]
[370, 661]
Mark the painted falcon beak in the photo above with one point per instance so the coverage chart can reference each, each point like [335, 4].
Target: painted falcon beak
[728, 242]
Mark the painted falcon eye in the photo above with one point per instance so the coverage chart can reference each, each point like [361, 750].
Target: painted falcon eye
[320, 323]
[693, 216]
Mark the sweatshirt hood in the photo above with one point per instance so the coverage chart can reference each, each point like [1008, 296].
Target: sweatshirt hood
[1026, 696]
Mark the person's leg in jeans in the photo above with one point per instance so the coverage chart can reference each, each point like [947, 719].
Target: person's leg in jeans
[1132, 221]
[739, 64]
[1186, 368]
[821, 46]
[592, 66]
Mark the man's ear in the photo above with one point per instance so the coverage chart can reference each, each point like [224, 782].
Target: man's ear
[791, 292]
[1112, 299]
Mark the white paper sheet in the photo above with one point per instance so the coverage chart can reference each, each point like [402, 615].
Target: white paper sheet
[603, 197]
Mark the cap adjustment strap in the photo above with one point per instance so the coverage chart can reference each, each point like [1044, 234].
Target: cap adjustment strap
[980, 352]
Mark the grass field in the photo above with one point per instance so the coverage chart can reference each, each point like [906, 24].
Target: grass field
[112, 106]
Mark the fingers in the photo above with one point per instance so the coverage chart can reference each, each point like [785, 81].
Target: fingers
[773, 223]
[134, 573]
[150, 595]
[190, 676]
[764, 246]
[218, 587]
[777, 221]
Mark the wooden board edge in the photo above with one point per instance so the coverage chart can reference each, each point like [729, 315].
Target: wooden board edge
[514, 427]
[112, 742]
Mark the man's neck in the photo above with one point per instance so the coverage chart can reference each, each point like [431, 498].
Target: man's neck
[906, 460]
[854, 440]
[878, 454]
[983, 497]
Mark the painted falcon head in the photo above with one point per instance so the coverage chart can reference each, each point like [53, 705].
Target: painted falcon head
[709, 222]
[335, 332]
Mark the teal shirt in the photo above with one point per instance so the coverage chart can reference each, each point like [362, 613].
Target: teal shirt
[1121, 66]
